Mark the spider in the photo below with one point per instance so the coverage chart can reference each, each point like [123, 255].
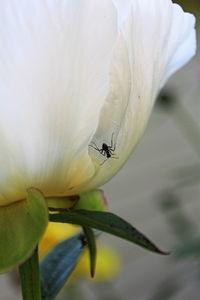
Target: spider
[105, 150]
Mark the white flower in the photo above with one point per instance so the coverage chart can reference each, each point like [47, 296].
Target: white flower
[76, 75]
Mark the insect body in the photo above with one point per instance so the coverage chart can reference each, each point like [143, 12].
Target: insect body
[105, 150]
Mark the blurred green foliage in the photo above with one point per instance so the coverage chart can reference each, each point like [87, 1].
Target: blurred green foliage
[186, 252]
[189, 5]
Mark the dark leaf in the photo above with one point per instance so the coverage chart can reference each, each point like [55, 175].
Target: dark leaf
[58, 264]
[107, 222]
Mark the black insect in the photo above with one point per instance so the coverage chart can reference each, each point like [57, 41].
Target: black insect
[105, 150]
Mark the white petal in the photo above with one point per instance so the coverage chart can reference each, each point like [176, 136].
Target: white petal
[123, 8]
[156, 39]
[54, 66]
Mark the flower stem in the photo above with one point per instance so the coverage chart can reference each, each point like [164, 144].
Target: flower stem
[30, 278]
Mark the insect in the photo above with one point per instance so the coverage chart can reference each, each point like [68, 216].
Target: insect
[106, 150]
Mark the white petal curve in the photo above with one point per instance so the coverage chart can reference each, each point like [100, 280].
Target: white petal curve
[54, 66]
[185, 39]
[155, 40]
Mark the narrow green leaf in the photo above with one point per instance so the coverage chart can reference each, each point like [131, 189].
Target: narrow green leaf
[107, 222]
[90, 237]
[58, 264]
[21, 226]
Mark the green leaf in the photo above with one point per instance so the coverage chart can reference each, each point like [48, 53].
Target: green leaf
[58, 264]
[21, 226]
[90, 237]
[107, 222]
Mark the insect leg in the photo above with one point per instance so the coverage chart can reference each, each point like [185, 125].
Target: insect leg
[115, 157]
[94, 147]
[112, 140]
[113, 145]
[103, 162]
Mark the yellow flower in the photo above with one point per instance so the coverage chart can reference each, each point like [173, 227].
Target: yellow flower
[107, 263]
[55, 233]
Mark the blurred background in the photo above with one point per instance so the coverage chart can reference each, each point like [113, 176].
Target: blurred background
[158, 191]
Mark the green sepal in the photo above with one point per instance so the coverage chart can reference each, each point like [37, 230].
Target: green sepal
[91, 241]
[61, 203]
[21, 226]
[107, 222]
[93, 200]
